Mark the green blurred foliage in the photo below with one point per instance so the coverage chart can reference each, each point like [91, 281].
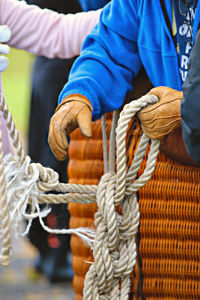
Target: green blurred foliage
[16, 87]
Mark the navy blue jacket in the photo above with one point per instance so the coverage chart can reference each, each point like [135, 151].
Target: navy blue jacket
[190, 106]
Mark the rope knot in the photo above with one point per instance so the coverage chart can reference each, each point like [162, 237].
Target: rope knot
[117, 218]
[105, 201]
[23, 187]
[48, 179]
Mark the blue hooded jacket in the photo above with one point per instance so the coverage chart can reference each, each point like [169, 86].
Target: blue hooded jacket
[130, 34]
[92, 4]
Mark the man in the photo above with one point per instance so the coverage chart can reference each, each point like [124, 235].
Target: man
[156, 35]
[131, 34]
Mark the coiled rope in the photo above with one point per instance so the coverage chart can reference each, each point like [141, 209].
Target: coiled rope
[26, 184]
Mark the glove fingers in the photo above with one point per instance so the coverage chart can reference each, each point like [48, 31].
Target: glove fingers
[161, 91]
[160, 133]
[162, 125]
[4, 49]
[162, 120]
[163, 117]
[5, 33]
[57, 144]
[165, 92]
[67, 118]
[159, 106]
[3, 63]
[84, 120]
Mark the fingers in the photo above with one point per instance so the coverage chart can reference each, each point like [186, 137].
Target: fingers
[5, 33]
[160, 91]
[159, 119]
[57, 140]
[160, 134]
[4, 49]
[3, 63]
[84, 120]
[163, 91]
[67, 118]
[168, 109]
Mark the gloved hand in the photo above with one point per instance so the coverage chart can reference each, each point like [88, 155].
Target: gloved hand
[160, 119]
[5, 35]
[73, 112]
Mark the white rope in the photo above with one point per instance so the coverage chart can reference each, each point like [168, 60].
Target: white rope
[114, 246]
[112, 142]
[113, 242]
[104, 136]
[4, 213]
[5, 35]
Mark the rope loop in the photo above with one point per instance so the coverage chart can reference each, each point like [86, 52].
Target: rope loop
[126, 115]
[48, 179]
[117, 218]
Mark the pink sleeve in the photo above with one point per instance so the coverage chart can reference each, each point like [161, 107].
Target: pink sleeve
[44, 32]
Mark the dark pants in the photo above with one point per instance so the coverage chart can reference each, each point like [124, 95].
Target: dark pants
[49, 76]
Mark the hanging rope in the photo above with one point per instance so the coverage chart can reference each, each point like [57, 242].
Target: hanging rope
[114, 248]
[5, 221]
[113, 242]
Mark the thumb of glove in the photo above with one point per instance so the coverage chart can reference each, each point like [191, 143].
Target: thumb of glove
[84, 120]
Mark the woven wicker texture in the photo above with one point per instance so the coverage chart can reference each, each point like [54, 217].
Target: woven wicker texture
[168, 241]
[86, 167]
[169, 248]
[170, 232]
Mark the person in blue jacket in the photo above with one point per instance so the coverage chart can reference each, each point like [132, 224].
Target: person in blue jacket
[186, 142]
[156, 35]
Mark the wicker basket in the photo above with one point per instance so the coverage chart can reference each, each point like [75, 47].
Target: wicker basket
[168, 241]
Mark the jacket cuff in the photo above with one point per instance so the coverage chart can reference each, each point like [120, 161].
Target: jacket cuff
[75, 97]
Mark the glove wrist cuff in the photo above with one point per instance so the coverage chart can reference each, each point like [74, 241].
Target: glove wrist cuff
[75, 97]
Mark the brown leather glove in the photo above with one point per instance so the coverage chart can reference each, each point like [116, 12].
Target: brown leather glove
[73, 112]
[160, 119]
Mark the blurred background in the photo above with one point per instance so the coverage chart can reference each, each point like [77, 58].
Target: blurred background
[16, 87]
[19, 281]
